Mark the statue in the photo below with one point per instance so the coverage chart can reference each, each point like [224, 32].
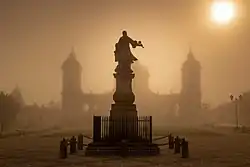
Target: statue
[122, 49]
[124, 73]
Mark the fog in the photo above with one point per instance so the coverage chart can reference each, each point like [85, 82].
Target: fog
[38, 36]
[64, 73]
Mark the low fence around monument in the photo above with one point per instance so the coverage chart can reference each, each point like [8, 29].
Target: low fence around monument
[145, 128]
[136, 130]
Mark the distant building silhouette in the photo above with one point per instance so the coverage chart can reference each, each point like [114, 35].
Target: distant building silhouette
[141, 80]
[225, 113]
[190, 95]
[161, 106]
[78, 107]
[17, 95]
[71, 87]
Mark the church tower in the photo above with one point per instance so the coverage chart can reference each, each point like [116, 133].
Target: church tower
[71, 86]
[141, 80]
[190, 96]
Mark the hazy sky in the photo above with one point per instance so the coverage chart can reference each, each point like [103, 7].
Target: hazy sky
[36, 36]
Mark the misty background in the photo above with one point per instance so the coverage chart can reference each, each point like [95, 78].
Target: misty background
[37, 36]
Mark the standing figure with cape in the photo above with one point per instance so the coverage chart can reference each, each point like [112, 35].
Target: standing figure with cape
[122, 49]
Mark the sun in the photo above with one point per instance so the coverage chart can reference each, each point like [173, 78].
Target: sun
[223, 11]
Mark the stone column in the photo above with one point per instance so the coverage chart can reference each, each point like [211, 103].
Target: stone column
[123, 112]
[123, 93]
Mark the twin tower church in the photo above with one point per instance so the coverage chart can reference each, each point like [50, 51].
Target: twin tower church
[170, 108]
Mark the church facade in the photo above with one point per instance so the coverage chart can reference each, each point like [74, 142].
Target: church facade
[80, 106]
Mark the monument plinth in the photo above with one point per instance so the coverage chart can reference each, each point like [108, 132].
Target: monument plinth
[123, 132]
[123, 112]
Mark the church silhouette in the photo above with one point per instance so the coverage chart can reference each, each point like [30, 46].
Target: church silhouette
[171, 107]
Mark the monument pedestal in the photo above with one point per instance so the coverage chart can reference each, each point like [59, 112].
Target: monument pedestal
[123, 122]
[123, 110]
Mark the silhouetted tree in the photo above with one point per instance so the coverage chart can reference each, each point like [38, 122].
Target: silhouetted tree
[9, 108]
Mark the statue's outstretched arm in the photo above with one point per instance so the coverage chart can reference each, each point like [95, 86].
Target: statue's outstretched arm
[132, 42]
[135, 43]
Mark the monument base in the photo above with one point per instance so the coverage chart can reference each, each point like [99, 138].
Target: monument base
[123, 110]
[122, 149]
[123, 122]
[121, 137]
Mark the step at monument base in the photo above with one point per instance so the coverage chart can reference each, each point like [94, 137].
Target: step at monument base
[119, 149]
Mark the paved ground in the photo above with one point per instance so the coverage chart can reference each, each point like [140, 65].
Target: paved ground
[206, 150]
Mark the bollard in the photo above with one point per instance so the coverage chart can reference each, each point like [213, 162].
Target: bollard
[72, 145]
[80, 142]
[63, 148]
[170, 141]
[124, 149]
[177, 145]
[185, 149]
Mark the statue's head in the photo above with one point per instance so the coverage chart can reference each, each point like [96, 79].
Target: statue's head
[124, 33]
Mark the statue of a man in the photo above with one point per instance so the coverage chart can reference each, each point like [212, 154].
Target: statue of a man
[123, 51]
